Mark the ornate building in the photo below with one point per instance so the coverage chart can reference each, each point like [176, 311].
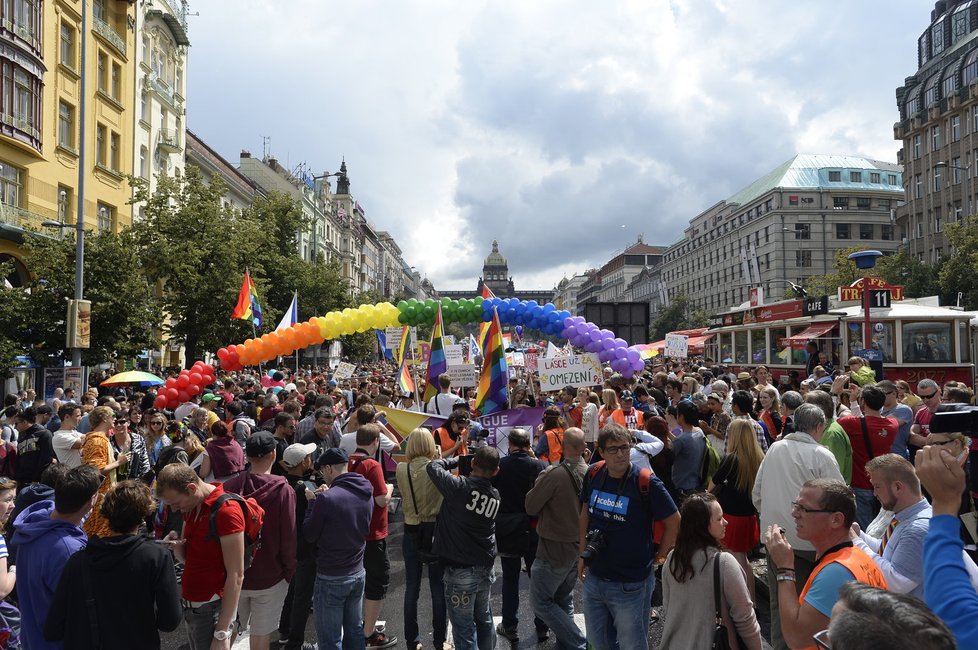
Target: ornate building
[495, 276]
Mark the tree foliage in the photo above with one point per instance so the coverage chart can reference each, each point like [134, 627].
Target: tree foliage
[678, 315]
[959, 271]
[901, 269]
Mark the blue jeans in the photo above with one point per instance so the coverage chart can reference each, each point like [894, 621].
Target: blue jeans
[512, 567]
[552, 599]
[338, 608]
[412, 590]
[865, 506]
[617, 613]
[467, 595]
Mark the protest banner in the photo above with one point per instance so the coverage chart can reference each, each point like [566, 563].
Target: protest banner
[449, 339]
[454, 355]
[499, 424]
[531, 357]
[677, 346]
[582, 370]
[393, 336]
[344, 370]
[464, 375]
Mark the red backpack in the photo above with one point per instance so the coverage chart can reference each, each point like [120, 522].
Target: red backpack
[254, 516]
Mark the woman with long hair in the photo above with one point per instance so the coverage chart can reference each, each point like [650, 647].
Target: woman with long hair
[609, 400]
[769, 412]
[155, 434]
[224, 457]
[197, 423]
[687, 583]
[661, 463]
[732, 484]
[422, 503]
[98, 452]
[590, 403]
[690, 386]
[125, 440]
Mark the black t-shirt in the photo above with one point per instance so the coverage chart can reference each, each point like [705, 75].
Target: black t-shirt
[733, 501]
[304, 549]
[281, 444]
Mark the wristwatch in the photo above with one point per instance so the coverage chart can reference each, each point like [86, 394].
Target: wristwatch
[222, 635]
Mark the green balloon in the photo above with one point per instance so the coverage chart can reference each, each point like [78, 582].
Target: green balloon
[402, 306]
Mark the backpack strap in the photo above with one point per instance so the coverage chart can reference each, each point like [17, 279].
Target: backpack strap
[221, 500]
[594, 469]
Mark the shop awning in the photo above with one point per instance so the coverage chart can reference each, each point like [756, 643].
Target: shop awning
[813, 331]
[696, 344]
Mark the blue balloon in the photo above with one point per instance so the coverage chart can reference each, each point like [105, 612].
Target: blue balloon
[531, 304]
[511, 314]
[486, 315]
[549, 307]
[563, 313]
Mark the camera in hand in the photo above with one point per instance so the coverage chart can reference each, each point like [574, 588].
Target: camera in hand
[596, 543]
[955, 417]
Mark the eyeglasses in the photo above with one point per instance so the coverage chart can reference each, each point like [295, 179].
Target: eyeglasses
[612, 451]
[156, 423]
[928, 396]
[822, 640]
[797, 507]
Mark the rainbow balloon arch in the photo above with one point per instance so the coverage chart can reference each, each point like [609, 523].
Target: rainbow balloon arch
[544, 318]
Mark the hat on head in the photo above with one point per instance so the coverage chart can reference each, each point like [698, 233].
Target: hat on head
[295, 454]
[333, 456]
[259, 444]
[627, 394]
[331, 382]
[210, 397]
[290, 387]
[714, 396]
[742, 376]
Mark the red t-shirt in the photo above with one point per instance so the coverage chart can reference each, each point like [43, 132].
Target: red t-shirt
[923, 417]
[372, 471]
[881, 432]
[203, 574]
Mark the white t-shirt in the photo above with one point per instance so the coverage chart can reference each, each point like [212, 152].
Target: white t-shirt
[442, 404]
[62, 443]
[348, 443]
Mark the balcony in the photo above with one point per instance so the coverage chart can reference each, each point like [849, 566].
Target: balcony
[105, 30]
[13, 217]
[169, 140]
[151, 81]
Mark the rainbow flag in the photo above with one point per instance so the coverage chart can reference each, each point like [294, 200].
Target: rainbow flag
[437, 364]
[491, 394]
[248, 307]
[404, 379]
[487, 294]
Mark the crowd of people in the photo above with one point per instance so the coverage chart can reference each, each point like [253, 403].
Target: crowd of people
[268, 497]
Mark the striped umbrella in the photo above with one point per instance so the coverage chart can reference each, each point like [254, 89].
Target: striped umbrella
[133, 378]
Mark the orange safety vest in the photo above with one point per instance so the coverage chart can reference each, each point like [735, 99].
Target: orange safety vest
[858, 563]
[555, 446]
[619, 417]
[445, 441]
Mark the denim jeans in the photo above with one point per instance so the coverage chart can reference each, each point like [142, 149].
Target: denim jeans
[512, 567]
[617, 613]
[201, 622]
[865, 507]
[338, 608]
[469, 610]
[552, 599]
[413, 568]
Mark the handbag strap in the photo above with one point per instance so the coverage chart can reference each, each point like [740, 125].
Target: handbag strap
[716, 587]
[90, 601]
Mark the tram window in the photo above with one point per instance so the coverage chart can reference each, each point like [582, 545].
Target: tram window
[757, 346]
[740, 347]
[927, 341]
[779, 353]
[965, 342]
[883, 337]
[726, 355]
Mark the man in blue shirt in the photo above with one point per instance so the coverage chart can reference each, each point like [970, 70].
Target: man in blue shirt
[620, 503]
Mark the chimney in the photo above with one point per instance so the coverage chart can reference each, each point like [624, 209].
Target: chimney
[245, 153]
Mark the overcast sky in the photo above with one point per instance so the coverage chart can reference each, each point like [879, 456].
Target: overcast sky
[564, 129]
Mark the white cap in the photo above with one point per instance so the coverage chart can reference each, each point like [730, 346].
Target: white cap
[290, 387]
[294, 454]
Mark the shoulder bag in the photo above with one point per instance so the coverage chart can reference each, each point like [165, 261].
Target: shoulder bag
[721, 641]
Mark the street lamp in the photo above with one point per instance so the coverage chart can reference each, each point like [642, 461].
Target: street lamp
[79, 227]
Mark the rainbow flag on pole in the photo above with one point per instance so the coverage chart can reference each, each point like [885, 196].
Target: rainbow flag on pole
[437, 364]
[248, 307]
[491, 394]
[404, 378]
[487, 294]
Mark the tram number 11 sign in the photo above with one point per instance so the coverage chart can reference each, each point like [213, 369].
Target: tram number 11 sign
[879, 298]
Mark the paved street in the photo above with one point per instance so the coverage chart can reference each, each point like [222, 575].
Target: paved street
[394, 620]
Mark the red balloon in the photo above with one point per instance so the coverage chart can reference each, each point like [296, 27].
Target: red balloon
[183, 396]
[183, 381]
[208, 380]
[160, 401]
[172, 404]
[170, 382]
[208, 368]
[196, 378]
[171, 394]
[222, 354]
[193, 389]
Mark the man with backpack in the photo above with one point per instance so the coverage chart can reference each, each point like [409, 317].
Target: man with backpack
[266, 582]
[214, 564]
[620, 504]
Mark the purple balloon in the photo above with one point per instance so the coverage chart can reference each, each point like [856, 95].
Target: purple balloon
[633, 356]
[607, 334]
[621, 343]
[638, 365]
[569, 322]
[622, 353]
[595, 335]
[605, 356]
[578, 320]
[608, 344]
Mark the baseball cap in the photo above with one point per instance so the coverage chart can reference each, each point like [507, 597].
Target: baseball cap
[332, 456]
[259, 444]
[210, 397]
[294, 454]
[290, 387]
[627, 394]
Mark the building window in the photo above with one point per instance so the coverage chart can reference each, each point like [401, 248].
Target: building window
[98, 7]
[25, 104]
[935, 137]
[842, 231]
[101, 153]
[144, 163]
[885, 204]
[862, 203]
[955, 128]
[855, 177]
[106, 218]
[803, 231]
[116, 81]
[803, 258]
[917, 147]
[937, 220]
[920, 226]
[840, 202]
[115, 160]
[959, 25]
[24, 15]
[937, 179]
[865, 231]
[886, 233]
[11, 185]
[891, 179]
[66, 125]
[102, 67]
[874, 177]
[835, 177]
[67, 45]
[144, 107]
[956, 170]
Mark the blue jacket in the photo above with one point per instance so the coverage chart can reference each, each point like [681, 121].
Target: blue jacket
[337, 523]
[44, 546]
[947, 587]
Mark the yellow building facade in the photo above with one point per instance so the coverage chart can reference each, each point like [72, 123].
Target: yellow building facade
[42, 136]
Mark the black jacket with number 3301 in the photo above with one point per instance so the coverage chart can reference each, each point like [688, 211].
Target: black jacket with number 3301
[465, 533]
